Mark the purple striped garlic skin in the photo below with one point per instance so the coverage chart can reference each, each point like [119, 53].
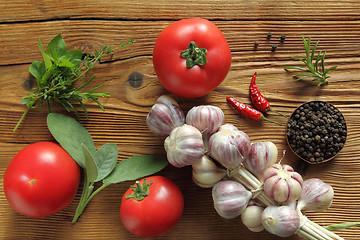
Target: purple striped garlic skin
[282, 221]
[229, 146]
[164, 116]
[282, 183]
[208, 119]
[230, 198]
[261, 156]
[184, 146]
[316, 195]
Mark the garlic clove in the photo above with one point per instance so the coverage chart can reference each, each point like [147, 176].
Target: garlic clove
[315, 195]
[229, 146]
[282, 183]
[164, 116]
[261, 156]
[205, 173]
[208, 119]
[251, 217]
[282, 221]
[230, 198]
[184, 146]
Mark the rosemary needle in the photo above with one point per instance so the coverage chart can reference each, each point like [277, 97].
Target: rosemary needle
[314, 67]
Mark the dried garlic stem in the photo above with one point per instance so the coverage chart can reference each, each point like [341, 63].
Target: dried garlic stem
[312, 231]
[245, 177]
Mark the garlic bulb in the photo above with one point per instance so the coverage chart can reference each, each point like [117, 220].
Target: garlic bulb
[283, 221]
[184, 146]
[230, 198]
[251, 217]
[261, 156]
[229, 146]
[164, 116]
[208, 119]
[282, 184]
[205, 173]
[315, 195]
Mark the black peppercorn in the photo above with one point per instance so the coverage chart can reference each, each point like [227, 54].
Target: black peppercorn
[316, 131]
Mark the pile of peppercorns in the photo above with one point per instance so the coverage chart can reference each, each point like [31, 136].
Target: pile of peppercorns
[316, 131]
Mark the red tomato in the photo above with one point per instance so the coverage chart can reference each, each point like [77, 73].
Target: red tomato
[42, 179]
[157, 213]
[170, 66]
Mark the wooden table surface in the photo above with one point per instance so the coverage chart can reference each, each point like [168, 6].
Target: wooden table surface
[90, 24]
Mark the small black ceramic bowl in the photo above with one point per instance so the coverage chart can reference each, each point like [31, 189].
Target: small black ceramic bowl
[316, 132]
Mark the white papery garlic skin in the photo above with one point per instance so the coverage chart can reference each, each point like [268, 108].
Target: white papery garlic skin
[184, 146]
[164, 116]
[251, 217]
[315, 195]
[230, 198]
[229, 146]
[282, 221]
[261, 156]
[282, 183]
[205, 173]
[208, 119]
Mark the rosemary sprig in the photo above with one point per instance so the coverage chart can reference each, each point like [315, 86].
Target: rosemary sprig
[56, 75]
[313, 70]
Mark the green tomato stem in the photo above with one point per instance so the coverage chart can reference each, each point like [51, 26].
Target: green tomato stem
[194, 55]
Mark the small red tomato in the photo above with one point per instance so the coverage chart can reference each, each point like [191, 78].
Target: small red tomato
[151, 207]
[41, 179]
[191, 57]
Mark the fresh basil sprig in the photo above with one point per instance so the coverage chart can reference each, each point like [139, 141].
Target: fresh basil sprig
[57, 73]
[101, 164]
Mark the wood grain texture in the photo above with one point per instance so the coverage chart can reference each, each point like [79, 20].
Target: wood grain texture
[90, 24]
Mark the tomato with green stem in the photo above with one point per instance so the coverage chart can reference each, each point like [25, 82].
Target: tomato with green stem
[42, 179]
[191, 57]
[151, 207]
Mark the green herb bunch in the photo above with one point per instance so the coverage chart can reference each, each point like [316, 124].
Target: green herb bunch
[56, 75]
[315, 68]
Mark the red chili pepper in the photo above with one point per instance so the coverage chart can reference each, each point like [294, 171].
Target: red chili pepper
[258, 99]
[247, 111]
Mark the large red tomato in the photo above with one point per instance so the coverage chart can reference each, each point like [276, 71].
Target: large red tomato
[159, 210]
[191, 57]
[41, 179]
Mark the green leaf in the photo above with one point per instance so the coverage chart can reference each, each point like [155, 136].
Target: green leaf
[56, 48]
[70, 134]
[344, 225]
[106, 158]
[64, 63]
[37, 69]
[46, 58]
[90, 165]
[73, 56]
[135, 167]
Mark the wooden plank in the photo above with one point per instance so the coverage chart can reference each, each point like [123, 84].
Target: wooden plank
[90, 24]
[339, 39]
[162, 9]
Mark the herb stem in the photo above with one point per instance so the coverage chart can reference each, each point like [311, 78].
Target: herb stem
[85, 199]
[22, 118]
